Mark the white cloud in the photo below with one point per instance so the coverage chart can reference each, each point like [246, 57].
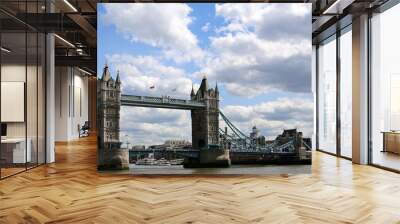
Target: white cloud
[273, 116]
[149, 126]
[260, 48]
[249, 66]
[289, 21]
[163, 26]
[206, 27]
[153, 126]
[140, 73]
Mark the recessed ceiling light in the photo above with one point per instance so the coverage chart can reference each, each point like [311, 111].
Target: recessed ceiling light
[5, 50]
[337, 7]
[84, 71]
[70, 5]
[64, 40]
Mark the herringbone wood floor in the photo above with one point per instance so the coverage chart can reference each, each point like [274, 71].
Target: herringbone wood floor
[72, 191]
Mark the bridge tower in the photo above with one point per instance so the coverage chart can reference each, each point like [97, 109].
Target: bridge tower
[205, 122]
[110, 154]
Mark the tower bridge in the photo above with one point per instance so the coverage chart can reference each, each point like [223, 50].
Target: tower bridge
[203, 105]
[211, 142]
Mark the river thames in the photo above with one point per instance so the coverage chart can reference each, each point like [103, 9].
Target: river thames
[234, 169]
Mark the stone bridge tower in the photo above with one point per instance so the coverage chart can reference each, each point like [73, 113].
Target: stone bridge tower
[205, 122]
[110, 154]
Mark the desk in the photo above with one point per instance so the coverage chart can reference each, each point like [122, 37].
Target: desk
[391, 142]
[13, 150]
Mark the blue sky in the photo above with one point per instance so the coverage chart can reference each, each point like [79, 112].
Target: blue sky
[260, 55]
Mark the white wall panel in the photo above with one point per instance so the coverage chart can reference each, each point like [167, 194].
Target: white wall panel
[12, 101]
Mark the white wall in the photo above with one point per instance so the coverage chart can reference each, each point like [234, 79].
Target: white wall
[71, 102]
[61, 103]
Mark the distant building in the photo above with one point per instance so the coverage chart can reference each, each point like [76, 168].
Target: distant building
[289, 134]
[261, 140]
[171, 144]
[177, 143]
[301, 145]
[162, 146]
[254, 133]
[255, 138]
[138, 147]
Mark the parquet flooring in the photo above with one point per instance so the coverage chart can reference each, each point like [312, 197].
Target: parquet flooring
[8, 171]
[72, 191]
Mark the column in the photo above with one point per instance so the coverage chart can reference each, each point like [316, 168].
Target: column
[50, 92]
[360, 90]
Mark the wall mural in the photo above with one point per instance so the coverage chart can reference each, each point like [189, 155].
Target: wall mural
[204, 88]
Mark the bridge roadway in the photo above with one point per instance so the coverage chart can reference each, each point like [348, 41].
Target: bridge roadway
[161, 102]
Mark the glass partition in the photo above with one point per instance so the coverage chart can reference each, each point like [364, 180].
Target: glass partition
[13, 105]
[385, 89]
[22, 88]
[31, 98]
[41, 96]
[327, 95]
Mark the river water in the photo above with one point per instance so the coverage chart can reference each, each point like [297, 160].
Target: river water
[234, 169]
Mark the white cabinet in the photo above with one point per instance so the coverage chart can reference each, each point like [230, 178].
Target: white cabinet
[19, 155]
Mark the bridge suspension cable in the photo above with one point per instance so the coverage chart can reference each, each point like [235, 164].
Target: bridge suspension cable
[235, 130]
[243, 143]
[306, 144]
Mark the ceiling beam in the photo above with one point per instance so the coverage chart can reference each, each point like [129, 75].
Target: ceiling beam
[337, 7]
[86, 27]
[78, 61]
[49, 22]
